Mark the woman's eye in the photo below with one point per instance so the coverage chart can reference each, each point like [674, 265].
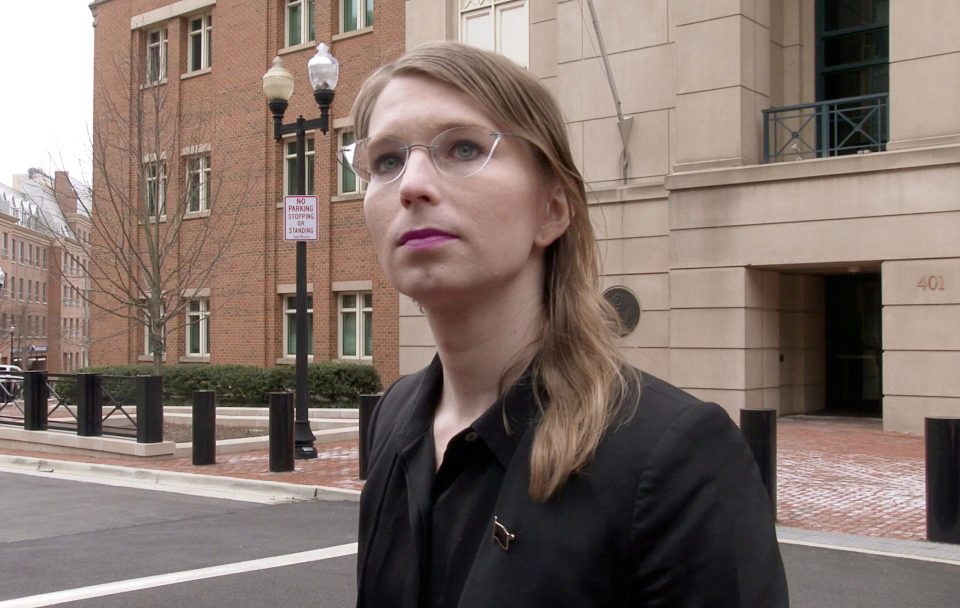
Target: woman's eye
[387, 163]
[465, 150]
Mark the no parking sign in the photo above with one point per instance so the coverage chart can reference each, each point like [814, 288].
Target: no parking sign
[300, 218]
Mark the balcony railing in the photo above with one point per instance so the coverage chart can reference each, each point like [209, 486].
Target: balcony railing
[852, 125]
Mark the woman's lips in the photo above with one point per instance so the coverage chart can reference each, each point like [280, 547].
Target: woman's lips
[425, 238]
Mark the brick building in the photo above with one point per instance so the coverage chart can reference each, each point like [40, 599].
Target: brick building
[206, 164]
[44, 315]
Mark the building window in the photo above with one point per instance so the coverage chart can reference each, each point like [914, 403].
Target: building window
[200, 46]
[498, 25]
[157, 56]
[21, 252]
[290, 167]
[348, 182]
[290, 325]
[44, 258]
[198, 183]
[21, 289]
[355, 15]
[29, 290]
[44, 292]
[30, 254]
[198, 327]
[356, 325]
[155, 189]
[301, 28]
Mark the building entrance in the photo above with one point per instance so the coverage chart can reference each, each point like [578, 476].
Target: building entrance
[854, 351]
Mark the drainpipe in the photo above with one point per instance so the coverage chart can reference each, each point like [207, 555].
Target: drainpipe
[624, 123]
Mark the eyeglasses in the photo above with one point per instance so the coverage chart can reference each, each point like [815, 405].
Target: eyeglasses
[457, 152]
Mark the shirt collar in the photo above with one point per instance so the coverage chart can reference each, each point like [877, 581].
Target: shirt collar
[501, 426]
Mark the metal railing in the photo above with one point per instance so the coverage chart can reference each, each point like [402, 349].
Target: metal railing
[852, 125]
[40, 401]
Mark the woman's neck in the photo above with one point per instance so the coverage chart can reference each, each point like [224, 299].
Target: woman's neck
[480, 344]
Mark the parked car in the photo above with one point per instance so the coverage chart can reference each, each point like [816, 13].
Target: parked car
[11, 382]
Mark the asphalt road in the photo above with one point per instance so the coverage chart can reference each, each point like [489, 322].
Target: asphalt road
[107, 547]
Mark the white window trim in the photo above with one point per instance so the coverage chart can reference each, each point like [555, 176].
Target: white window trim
[160, 213]
[362, 16]
[310, 158]
[360, 334]
[203, 319]
[495, 9]
[202, 172]
[305, 38]
[206, 38]
[289, 315]
[162, 44]
[341, 170]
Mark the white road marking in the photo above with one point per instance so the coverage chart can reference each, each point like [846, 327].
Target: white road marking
[920, 558]
[173, 578]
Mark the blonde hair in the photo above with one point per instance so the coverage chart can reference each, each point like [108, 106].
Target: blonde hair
[579, 376]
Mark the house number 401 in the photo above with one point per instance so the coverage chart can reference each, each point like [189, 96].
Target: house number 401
[931, 282]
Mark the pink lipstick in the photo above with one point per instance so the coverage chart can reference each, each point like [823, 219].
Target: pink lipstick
[425, 238]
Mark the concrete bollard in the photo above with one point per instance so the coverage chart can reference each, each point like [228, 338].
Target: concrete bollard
[204, 428]
[367, 403]
[281, 432]
[759, 428]
[942, 437]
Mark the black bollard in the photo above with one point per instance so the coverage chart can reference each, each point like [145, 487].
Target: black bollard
[149, 397]
[35, 395]
[942, 437]
[367, 403]
[89, 406]
[759, 428]
[204, 428]
[281, 432]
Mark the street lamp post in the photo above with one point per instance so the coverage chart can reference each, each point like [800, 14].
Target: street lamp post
[323, 70]
[12, 329]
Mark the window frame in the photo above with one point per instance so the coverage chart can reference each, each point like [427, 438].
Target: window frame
[200, 317]
[290, 165]
[342, 171]
[364, 11]
[160, 69]
[155, 170]
[205, 34]
[307, 29]
[495, 9]
[290, 322]
[198, 196]
[360, 310]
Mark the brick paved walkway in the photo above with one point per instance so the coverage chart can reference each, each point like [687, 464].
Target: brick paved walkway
[834, 474]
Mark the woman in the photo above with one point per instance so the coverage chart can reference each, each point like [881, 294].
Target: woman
[528, 465]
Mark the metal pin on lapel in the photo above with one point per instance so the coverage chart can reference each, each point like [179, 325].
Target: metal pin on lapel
[501, 535]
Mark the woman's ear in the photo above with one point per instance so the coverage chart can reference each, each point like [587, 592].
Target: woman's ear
[556, 217]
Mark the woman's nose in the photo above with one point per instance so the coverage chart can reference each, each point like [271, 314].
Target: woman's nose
[419, 179]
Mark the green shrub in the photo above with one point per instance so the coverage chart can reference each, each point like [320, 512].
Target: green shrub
[330, 380]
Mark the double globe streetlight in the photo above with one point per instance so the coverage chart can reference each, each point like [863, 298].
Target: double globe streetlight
[324, 71]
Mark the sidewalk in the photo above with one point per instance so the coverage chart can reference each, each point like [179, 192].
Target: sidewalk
[834, 475]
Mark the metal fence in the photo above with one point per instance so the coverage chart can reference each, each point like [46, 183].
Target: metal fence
[852, 125]
[88, 404]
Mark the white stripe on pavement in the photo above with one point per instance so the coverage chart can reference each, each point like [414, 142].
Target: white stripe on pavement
[173, 578]
[921, 558]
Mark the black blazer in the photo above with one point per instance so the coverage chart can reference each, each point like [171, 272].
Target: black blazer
[670, 513]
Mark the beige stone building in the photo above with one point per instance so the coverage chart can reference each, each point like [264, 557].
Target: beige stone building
[788, 212]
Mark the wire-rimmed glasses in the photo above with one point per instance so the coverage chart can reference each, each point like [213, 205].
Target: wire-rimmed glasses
[457, 152]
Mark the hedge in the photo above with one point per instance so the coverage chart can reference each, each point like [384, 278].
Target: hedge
[330, 380]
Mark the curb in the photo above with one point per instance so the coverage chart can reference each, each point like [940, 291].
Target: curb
[253, 490]
[921, 550]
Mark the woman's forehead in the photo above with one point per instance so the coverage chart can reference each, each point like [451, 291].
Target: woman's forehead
[414, 105]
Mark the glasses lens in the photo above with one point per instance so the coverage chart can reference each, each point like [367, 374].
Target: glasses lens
[379, 160]
[463, 151]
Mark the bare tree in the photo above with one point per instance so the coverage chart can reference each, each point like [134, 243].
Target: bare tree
[159, 225]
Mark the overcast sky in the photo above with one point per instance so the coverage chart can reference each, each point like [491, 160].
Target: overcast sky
[46, 105]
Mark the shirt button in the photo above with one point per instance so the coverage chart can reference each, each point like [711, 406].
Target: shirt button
[471, 436]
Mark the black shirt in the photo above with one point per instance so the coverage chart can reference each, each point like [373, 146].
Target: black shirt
[456, 503]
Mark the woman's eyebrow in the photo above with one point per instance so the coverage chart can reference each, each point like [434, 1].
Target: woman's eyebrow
[435, 129]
